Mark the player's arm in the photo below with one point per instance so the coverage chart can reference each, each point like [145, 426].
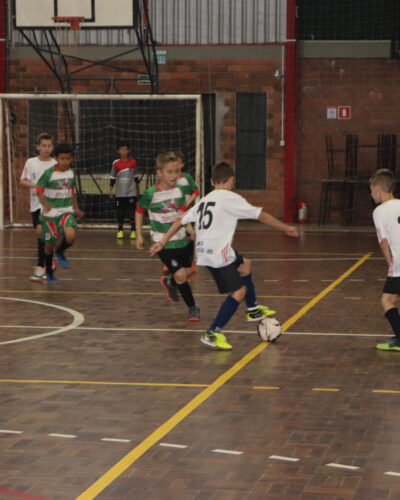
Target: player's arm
[385, 249]
[171, 231]
[111, 187]
[26, 183]
[25, 178]
[139, 228]
[42, 199]
[74, 199]
[272, 221]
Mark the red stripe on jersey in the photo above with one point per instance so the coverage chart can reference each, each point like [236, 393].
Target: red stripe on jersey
[123, 164]
[39, 190]
[53, 228]
[140, 210]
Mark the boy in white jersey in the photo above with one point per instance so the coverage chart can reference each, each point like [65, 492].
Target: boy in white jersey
[165, 202]
[215, 217]
[33, 169]
[387, 223]
[56, 191]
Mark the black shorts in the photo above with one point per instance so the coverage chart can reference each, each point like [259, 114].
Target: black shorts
[392, 285]
[227, 278]
[175, 258]
[35, 218]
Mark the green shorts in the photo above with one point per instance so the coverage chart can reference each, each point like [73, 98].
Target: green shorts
[52, 227]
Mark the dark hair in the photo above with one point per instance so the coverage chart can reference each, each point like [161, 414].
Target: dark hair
[221, 172]
[63, 149]
[166, 157]
[383, 178]
[44, 136]
[180, 156]
[121, 144]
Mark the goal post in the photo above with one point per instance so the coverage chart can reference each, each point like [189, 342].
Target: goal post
[94, 124]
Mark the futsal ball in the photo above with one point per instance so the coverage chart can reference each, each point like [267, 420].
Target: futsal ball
[269, 329]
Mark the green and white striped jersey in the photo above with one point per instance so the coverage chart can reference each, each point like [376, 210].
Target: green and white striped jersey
[188, 185]
[58, 187]
[164, 207]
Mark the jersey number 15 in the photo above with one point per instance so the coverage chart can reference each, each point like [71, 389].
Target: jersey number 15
[206, 215]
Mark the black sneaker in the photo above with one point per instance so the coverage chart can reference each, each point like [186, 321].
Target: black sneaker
[194, 314]
[172, 291]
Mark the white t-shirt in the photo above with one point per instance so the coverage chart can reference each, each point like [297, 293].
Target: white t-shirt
[32, 172]
[215, 217]
[387, 223]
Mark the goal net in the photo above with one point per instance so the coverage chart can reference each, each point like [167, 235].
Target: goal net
[94, 125]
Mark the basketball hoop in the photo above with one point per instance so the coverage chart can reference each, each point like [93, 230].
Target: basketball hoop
[74, 21]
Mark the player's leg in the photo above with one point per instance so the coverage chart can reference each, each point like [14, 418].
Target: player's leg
[228, 280]
[50, 234]
[131, 215]
[255, 312]
[181, 279]
[389, 304]
[68, 235]
[39, 272]
[120, 216]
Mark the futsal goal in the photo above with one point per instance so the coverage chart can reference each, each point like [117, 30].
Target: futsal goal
[94, 124]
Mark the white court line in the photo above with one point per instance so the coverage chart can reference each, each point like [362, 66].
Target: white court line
[263, 280]
[228, 452]
[242, 332]
[65, 279]
[327, 281]
[8, 277]
[94, 279]
[300, 281]
[342, 466]
[171, 445]
[353, 279]
[115, 440]
[78, 319]
[158, 279]
[125, 279]
[65, 436]
[286, 459]
[133, 259]
[390, 473]
[6, 431]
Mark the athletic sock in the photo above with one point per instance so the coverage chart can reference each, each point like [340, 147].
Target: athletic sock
[187, 295]
[63, 245]
[49, 262]
[133, 227]
[250, 296]
[172, 281]
[41, 254]
[225, 313]
[393, 317]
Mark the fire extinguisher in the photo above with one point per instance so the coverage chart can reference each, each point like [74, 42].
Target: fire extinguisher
[301, 212]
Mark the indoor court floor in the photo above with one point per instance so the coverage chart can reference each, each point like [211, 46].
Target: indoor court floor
[106, 391]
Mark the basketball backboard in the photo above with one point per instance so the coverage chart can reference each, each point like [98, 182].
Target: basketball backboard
[38, 14]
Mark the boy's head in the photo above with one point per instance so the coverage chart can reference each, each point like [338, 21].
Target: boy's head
[64, 154]
[123, 149]
[382, 184]
[44, 145]
[223, 173]
[168, 168]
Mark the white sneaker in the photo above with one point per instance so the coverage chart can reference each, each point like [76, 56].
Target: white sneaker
[39, 274]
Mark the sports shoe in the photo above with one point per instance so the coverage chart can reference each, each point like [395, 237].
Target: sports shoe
[120, 235]
[215, 340]
[260, 313]
[194, 314]
[63, 261]
[39, 273]
[51, 279]
[133, 235]
[172, 291]
[394, 345]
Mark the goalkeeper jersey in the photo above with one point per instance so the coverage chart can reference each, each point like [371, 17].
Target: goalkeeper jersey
[215, 217]
[58, 187]
[164, 207]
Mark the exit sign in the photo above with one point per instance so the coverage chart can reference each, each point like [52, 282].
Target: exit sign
[344, 112]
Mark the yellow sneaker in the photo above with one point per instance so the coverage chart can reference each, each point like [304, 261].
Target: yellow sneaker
[133, 235]
[215, 340]
[260, 313]
[120, 235]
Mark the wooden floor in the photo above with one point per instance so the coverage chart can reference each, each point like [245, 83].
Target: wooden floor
[106, 391]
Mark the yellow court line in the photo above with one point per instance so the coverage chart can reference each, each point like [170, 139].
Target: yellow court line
[105, 292]
[116, 470]
[148, 384]
[386, 392]
[325, 389]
